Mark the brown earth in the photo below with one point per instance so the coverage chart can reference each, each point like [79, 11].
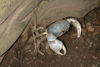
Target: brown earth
[82, 52]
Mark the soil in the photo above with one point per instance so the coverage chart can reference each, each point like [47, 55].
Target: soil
[82, 52]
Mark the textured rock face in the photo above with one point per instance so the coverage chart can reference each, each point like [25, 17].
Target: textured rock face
[15, 14]
[6, 7]
[52, 10]
[14, 23]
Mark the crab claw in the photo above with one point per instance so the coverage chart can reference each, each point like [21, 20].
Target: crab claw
[76, 24]
[64, 50]
[57, 45]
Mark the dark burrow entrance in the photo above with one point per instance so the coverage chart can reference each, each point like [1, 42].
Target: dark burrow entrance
[82, 52]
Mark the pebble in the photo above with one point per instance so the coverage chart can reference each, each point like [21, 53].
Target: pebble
[90, 29]
[94, 57]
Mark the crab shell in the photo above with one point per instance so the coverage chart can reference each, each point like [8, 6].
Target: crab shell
[60, 27]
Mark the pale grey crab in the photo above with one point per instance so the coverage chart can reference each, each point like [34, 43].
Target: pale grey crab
[59, 28]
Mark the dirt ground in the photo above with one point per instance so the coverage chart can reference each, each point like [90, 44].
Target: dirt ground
[82, 52]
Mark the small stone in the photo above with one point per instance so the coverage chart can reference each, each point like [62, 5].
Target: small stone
[89, 27]
[94, 57]
[83, 31]
[84, 57]
[93, 65]
[76, 47]
[71, 60]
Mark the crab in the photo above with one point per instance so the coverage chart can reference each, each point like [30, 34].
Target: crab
[57, 29]
[54, 31]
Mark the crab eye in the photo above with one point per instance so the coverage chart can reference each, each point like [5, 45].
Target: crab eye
[63, 31]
